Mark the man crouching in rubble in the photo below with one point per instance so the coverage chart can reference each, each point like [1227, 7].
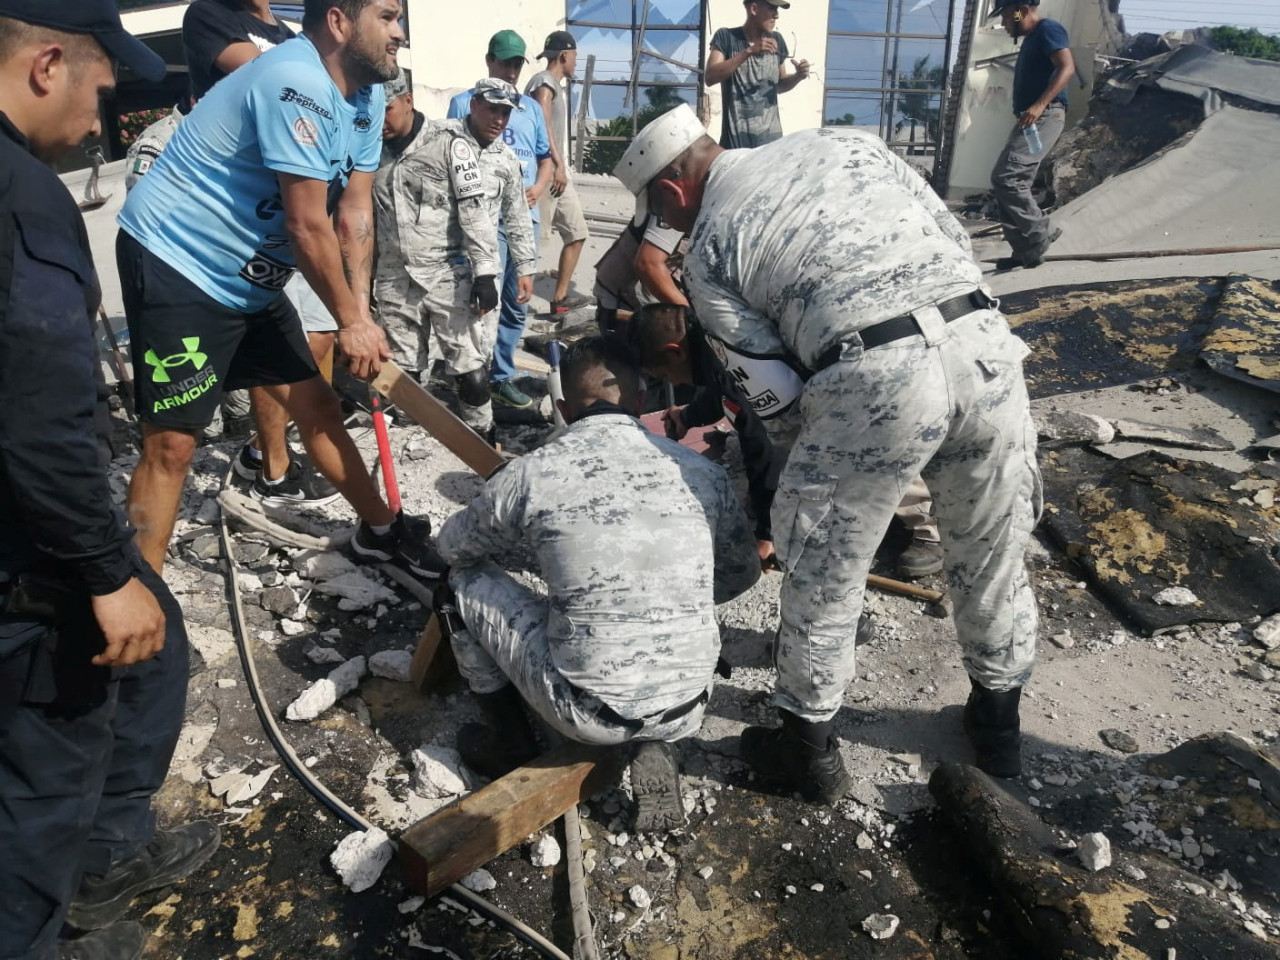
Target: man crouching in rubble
[859, 314]
[637, 539]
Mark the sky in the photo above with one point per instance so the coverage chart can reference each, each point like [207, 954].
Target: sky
[1157, 16]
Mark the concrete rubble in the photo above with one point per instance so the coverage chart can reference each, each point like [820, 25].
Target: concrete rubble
[438, 772]
[360, 858]
[323, 694]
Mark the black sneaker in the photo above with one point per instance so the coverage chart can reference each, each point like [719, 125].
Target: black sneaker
[170, 856]
[655, 784]
[120, 941]
[247, 466]
[406, 545]
[298, 488]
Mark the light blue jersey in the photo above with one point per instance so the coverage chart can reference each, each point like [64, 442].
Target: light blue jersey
[526, 134]
[210, 206]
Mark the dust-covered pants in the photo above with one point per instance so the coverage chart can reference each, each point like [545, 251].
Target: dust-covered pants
[952, 404]
[435, 300]
[506, 641]
[82, 751]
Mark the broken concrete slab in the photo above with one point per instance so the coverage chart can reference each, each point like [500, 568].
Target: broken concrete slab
[1072, 426]
[392, 665]
[438, 772]
[1195, 438]
[322, 565]
[323, 694]
[1152, 521]
[1245, 340]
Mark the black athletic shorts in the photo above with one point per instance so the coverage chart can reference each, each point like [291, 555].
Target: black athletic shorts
[187, 348]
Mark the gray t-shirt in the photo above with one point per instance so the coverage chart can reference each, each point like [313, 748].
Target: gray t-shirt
[749, 97]
[559, 107]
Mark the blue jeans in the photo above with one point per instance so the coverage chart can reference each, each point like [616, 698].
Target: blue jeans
[512, 315]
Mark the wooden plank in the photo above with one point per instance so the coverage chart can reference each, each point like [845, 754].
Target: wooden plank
[904, 589]
[437, 419]
[464, 836]
[433, 663]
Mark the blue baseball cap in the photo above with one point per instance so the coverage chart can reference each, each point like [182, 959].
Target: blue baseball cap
[98, 18]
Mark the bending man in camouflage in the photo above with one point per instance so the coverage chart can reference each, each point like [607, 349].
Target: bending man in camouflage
[438, 201]
[846, 294]
[637, 539]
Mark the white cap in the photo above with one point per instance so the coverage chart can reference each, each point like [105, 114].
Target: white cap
[654, 149]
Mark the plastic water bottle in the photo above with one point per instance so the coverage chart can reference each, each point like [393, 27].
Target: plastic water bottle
[1032, 136]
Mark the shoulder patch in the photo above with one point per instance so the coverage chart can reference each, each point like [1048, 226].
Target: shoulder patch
[305, 132]
[464, 170]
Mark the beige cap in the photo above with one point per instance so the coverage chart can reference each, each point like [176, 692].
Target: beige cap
[654, 149]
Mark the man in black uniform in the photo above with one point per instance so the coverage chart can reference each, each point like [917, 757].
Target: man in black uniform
[93, 655]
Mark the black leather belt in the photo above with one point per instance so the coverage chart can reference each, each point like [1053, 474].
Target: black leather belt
[897, 328]
[609, 715]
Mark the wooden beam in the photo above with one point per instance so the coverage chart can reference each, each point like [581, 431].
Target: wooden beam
[903, 589]
[433, 662]
[437, 419]
[465, 835]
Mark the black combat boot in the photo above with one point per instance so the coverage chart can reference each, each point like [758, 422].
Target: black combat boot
[655, 784]
[118, 941]
[991, 721]
[507, 740]
[800, 755]
[170, 856]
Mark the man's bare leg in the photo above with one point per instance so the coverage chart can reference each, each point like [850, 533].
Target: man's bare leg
[273, 419]
[156, 488]
[569, 255]
[314, 407]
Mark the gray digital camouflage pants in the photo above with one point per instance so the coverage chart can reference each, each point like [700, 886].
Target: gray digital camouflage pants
[506, 641]
[953, 405]
[1026, 226]
[412, 308]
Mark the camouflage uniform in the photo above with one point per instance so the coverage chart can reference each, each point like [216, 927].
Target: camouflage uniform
[637, 539]
[796, 265]
[151, 142]
[437, 230]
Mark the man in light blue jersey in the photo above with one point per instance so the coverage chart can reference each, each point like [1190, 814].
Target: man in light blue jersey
[526, 134]
[243, 195]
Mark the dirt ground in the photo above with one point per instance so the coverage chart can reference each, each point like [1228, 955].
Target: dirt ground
[753, 874]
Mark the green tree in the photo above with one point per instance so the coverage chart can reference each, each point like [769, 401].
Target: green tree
[601, 156]
[1246, 43]
[921, 102]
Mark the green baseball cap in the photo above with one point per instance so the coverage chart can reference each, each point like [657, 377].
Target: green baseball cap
[506, 44]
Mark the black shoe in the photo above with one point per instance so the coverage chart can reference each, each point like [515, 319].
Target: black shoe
[1034, 258]
[790, 756]
[195, 660]
[1008, 263]
[991, 721]
[922, 559]
[119, 941]
[507, 742]
[655, 784]
[247, 466]
[404, 544]
[170, 856]
[297, 488]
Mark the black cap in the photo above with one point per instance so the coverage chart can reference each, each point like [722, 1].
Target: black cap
[99, 18]
[557, 41]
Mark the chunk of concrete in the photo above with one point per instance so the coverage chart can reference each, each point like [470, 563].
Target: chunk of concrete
[358, 590]
[323, 694]
[479, 881]
[1175, 597]
[881, 926]
[317, 565]
[392, 665]
[546, 852]
[1071, 425]
[1094, 851]
[1193, 438]
[1267, 632]
[360, 858]
[318, 654]
[438, 772]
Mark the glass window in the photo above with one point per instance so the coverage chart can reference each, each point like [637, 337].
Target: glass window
[928, 17]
